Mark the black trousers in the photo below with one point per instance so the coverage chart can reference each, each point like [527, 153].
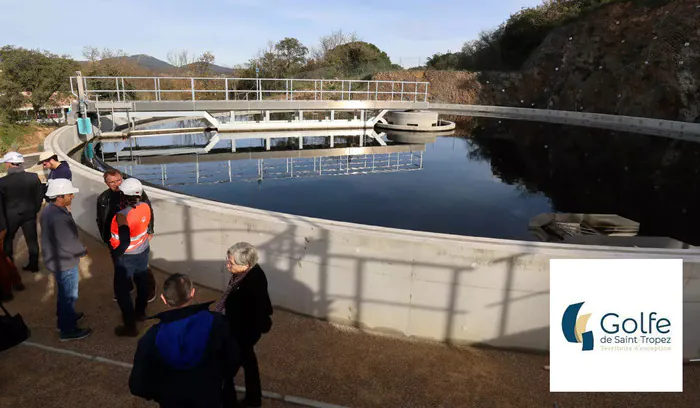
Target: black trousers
[30, 235]
[126, 268]
[251, 373]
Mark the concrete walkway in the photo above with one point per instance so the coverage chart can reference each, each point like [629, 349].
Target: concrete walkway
[301, 356]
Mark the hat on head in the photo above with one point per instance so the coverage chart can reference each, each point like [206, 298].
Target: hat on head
[131, 187]
[44, 156]
[58, 187]
[12, 157]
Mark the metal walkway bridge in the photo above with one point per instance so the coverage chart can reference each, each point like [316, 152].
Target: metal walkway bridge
[133, 98]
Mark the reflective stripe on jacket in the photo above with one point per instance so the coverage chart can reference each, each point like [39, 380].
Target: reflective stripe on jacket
[137, 218]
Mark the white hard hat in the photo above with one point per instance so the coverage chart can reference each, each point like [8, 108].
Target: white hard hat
[59, 187]
[13, 157]
[45, 156]
[131, 187]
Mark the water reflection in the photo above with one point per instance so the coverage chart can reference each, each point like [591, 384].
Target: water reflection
[182, 159]
[379, 178]
[651, 180]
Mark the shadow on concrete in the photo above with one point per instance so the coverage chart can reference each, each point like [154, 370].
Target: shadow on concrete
[284, 252]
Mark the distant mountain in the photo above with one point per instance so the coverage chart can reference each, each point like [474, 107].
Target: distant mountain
[217, 69]
[156, 66]
[150, 63]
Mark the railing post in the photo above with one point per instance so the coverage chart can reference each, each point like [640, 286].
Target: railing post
[123, 90]
[116, 81]
[376, 91]
[193, 96]
[291, 88]
[322, 89]
[415, 92]
[401, 91]
[227, 89]
[426, 92]
[155, 88]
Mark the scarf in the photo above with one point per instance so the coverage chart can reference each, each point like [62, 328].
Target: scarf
[233, 283]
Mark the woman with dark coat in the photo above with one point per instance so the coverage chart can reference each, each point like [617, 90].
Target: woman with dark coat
[247, 307]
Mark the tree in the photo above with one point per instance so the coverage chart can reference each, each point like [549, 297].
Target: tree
[291, 54]
[277, 60]
[40, 74]
[202, 66]
[328, 42]
[180, 58]
[357, 59]
[444, 61]
[92, 54]
[11, 99]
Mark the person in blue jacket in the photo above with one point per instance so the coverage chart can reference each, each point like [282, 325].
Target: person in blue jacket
[183, 361]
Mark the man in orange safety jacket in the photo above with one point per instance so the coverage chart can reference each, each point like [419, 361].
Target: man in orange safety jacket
[130, 248]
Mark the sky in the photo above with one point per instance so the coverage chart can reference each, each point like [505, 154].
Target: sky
[234, 30]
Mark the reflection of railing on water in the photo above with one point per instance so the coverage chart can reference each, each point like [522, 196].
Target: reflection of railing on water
[174, 174]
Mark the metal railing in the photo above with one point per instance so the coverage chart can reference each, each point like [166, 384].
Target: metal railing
[203, 88]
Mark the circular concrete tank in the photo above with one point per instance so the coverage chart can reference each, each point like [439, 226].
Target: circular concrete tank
[415, 121]
[401, 136]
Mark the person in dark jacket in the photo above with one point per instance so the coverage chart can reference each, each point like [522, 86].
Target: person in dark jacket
[108, 205]
[183, 361]
[22, 194]
[57, 169]
[9, 276]
[247, 307]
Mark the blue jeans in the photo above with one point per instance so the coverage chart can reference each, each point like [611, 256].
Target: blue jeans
[127, 267]
[67, 283]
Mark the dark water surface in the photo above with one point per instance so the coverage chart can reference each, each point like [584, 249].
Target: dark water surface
[486, 182]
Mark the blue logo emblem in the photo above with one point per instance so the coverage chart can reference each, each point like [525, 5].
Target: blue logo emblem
[574, 327]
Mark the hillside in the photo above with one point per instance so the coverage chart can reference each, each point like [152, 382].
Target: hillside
[624, 59]
[150, 63]
[147, 65]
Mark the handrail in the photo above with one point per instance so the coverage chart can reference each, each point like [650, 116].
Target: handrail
[123, 88]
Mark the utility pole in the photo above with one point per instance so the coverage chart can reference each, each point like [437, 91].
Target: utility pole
[257, 81]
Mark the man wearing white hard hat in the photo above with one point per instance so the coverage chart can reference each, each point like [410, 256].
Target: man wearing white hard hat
[22, 193]
[130, 245]
[62, 251]
[57, 169]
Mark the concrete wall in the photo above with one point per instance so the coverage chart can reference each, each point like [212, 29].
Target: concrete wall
[435, 286]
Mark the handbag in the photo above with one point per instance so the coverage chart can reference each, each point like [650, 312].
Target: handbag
[13, 330]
